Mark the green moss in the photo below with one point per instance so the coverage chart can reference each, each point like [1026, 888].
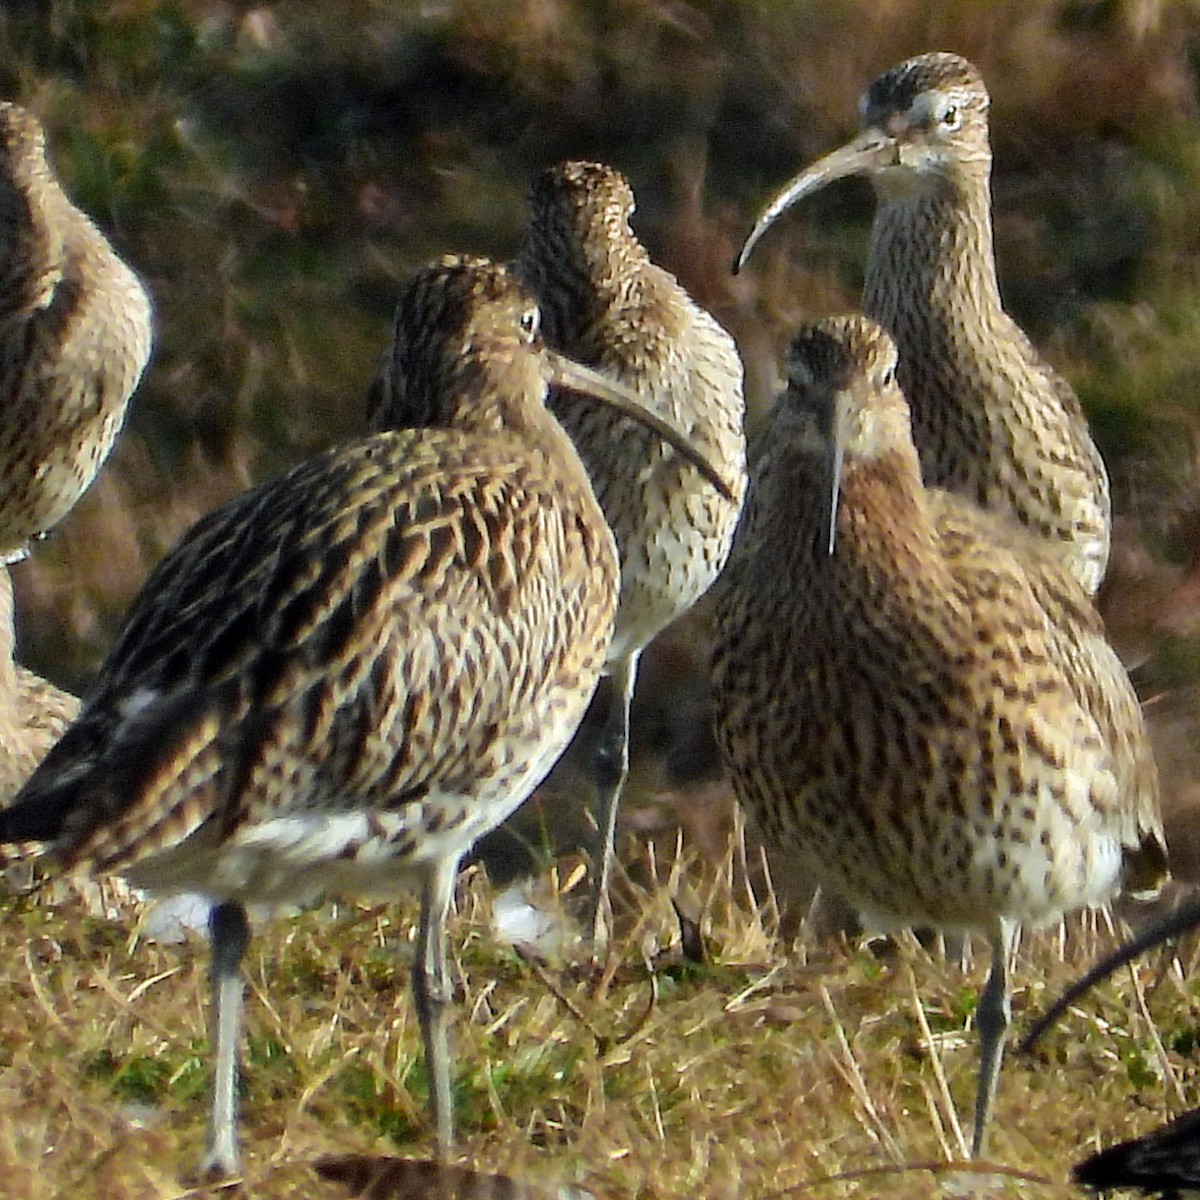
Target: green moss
[150, 1079]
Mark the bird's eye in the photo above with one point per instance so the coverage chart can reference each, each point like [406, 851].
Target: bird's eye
[889, 377]
[951, 117]
[531, 320]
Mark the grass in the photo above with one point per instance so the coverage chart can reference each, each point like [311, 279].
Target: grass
[758, 1074]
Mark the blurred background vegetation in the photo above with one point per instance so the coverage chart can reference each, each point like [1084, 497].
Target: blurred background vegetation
[273, 170]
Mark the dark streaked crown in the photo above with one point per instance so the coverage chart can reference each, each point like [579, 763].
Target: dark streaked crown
[577, 195]
[833, 352]
[458, 314]
[895, 90]
[581, 249]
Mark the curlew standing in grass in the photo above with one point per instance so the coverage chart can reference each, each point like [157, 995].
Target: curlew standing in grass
[604, 303]
[343, 677]
[75, 328]
[992, 420]
[914, 695]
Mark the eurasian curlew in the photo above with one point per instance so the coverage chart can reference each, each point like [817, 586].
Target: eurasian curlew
[340, 679]
[75, 330]
[992, 420]
[606, 304]
[913, 695]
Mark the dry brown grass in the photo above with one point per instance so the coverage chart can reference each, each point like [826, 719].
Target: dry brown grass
[762, 1074]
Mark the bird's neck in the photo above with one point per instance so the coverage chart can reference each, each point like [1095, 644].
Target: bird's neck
[539, 435]
[931, 282]
[931, 252]
[33, 214]
[589, 281]
[884, 532]
[553, 442]
[502, 399]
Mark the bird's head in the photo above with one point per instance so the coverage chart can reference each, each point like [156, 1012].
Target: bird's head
[923, 124]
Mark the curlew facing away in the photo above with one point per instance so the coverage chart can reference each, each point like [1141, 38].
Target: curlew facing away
[604, 303]
[992, 420]
[75, 329]
[340, 679]
[914, 695]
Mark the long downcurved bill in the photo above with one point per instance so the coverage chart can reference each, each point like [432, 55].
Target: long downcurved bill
[833, 467]
[866, 153]
[828, 408]
[565, 373]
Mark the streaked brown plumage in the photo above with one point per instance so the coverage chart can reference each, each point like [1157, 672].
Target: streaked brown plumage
[606, 304]
[75, 330]
[914, 695]
[345, 676]
[33, 712]
[992, 420]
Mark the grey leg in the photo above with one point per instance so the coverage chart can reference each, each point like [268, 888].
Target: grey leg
[610, 771]
[229, 932]
[992, 1017]
[432, 992]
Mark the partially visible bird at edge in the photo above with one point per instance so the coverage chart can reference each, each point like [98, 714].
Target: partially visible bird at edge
[339, 680]
[33, 711]
[75, 334]
[1179, 921]
[992, 420]
[33, 715]
[1166, 1160]
[915, 696]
